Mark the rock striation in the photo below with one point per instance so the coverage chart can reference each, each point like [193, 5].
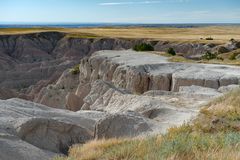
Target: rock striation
[140, 72]
[33, 131]
[39, 59]
[164, 93]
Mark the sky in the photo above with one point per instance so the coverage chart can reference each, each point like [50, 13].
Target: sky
[119, 11]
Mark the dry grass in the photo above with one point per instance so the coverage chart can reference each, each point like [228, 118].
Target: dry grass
[181, 59]
[188, 142]
[223, 114]
[219, 34]
[230, 55]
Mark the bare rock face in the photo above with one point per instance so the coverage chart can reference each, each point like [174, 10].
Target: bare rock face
[232, 45]
[220, 49]
[121, 125]
[140, 72]
[52, 135]
[55, 95]
[73, 102]
[38, 59]
[199, 90]
[165, 93]
[7, 93]
[33, 131]
[226, 89]
[190, 50]
[15, 148]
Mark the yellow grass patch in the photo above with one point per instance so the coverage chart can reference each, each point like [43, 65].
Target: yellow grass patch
[220, 34]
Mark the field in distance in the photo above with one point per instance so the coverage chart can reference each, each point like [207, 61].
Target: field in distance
[219, 34]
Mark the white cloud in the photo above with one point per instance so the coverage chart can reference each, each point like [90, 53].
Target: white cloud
[139, 2]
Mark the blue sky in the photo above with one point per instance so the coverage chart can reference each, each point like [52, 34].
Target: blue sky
[120, 11]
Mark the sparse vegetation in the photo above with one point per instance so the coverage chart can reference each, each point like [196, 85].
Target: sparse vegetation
[82, 35]
[221, 115]
[75, 70]
[143, 47]
[215, 135]
[209, 38]
[233, 55]
[180, 59]
[171, 51]
[208, 56]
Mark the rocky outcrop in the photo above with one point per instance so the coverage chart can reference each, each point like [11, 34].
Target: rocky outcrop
[139, 72]
[121, 125]
[38, 59]
[73, 102]
[39, 131]
[232, 45]
[114, 81]
[189, 50]
[54, 95]
[30, 131]
[7, 93]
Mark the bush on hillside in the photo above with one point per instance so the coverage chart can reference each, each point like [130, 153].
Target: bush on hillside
[143, 47]
[208, 56]
[234, 55]
[171, 51]
[209, 38]
[75, 70]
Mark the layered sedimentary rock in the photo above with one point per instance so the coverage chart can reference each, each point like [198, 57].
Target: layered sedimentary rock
[121, 125]
[126, 73]
[165, 93]
[139, 72]
[32, 131]
[38, 59]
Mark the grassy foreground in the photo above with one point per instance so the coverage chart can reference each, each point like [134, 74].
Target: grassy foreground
[213, 135]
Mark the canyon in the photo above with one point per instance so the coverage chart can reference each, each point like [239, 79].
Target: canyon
[58, 91]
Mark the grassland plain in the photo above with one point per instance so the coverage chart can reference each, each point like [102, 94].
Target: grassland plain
[213, 135]
[220, 34]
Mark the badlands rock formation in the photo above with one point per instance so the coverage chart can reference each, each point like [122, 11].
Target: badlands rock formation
[140, 72]
[165, 93]
[116, 94]
[38, 59]
[30, 131]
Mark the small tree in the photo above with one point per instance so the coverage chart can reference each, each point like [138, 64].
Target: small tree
[171, 51]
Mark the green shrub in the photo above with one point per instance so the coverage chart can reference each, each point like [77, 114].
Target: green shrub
[208, 56]
[233, 56]
[220, 58]
[171, 51]
[143, 47]
[75, 70]
[209, 38]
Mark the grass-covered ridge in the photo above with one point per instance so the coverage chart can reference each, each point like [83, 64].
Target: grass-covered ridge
[214, 135]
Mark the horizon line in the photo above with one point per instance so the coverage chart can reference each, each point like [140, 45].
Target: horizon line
[75, 23]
